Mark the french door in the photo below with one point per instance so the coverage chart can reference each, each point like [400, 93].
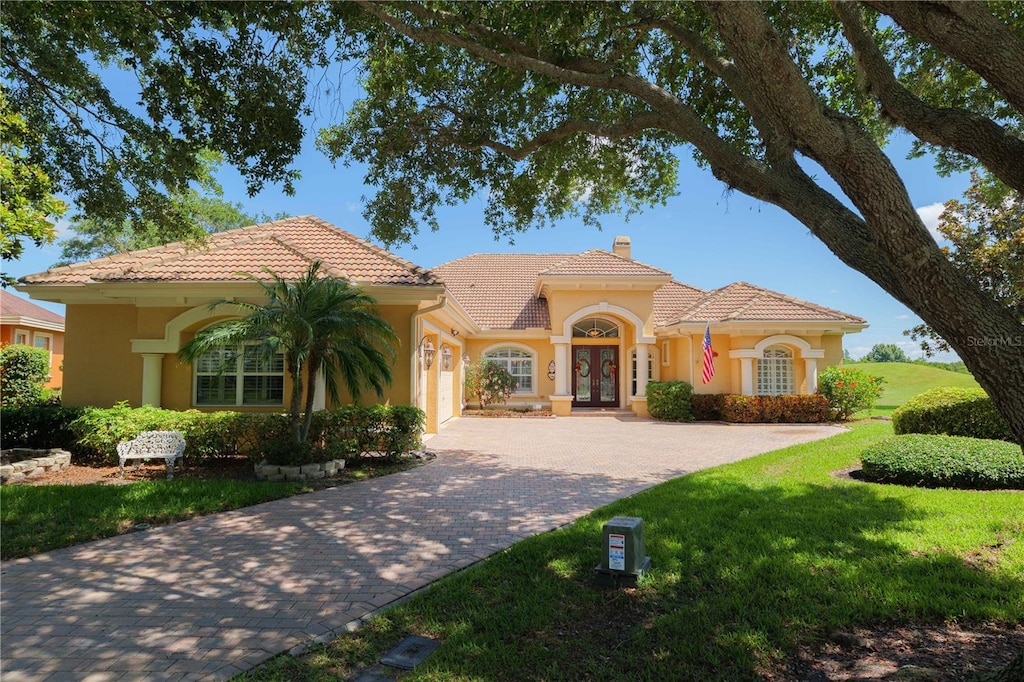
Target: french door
[595, 376]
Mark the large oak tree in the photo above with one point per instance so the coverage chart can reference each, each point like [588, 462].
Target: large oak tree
[556, 109]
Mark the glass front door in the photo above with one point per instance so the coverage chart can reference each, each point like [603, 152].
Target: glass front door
[595, 376]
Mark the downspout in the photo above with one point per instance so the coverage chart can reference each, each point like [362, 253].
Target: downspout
[416, 336]
[689, 338]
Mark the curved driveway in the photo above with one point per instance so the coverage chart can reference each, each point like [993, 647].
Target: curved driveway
[211, 597]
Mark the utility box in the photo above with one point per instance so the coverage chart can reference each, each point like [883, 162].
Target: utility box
[623, 555]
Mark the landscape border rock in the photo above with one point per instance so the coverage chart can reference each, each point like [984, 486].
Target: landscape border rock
[306, 472]
[36, 463]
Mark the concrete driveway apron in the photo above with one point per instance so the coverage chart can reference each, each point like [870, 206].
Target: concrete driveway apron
[208, 598]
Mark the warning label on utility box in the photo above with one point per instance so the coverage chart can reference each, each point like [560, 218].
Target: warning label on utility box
[616, 552]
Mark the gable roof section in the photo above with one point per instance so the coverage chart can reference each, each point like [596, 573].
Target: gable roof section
[497, 290]
[741, 301]
[673, 299]
[599, 263]
[17, 310]
[288, 246]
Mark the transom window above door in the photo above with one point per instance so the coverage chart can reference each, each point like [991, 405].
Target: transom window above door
[595, 328]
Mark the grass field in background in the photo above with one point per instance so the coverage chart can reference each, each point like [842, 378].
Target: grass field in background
[904, 380]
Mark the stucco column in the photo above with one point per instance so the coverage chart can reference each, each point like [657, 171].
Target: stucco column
[562, 368]
[642, 360]
[320, 392]
[747, 376]
[811, 372]
[152, 378]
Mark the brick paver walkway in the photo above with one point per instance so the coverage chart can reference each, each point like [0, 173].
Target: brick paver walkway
[208, 598]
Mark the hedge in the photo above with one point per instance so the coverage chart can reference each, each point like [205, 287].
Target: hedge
[379, 430]
[945, 461]
[669, 400]
[953, 412]
[759, 409]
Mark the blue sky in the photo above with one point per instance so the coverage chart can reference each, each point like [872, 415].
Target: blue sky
[706, 237]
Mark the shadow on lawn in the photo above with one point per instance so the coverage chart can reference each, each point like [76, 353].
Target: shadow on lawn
[742, 576]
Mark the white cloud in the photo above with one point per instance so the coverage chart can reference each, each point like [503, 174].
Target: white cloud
[930, 217]
[352, 206]
[62, 225]
[903, 317]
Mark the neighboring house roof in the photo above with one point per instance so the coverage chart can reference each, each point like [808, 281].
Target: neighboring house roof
[18, 311]
[287, 246]
[741, 301]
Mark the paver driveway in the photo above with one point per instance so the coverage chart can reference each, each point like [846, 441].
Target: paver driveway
[208, 598]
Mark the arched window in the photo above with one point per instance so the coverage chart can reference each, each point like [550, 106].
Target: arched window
[519, 364]
[595, 328]
[238, 375]
[775, 371]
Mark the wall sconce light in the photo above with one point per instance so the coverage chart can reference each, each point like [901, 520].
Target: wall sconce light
[551, 370]
[465, 358]
[446, 357]
[455, 332]
[426, 351]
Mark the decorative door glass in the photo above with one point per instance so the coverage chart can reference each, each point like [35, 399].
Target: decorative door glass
[608, 373]
[583, 374]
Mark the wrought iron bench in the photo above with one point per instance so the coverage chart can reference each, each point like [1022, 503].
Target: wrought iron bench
[165, 445]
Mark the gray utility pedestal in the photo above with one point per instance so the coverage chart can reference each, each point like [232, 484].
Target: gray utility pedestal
[623, 556]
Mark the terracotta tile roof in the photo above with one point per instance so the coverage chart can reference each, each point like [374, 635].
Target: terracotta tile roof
[16, 306]
[497, 290]
[598, 263]
[673, 299]
[741, 301]
[287, 246]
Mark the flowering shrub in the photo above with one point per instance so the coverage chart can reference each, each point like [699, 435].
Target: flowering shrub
[849, 390]
[761, 409]
[489, 382]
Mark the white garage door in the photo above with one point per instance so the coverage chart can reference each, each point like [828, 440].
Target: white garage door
[445, 396]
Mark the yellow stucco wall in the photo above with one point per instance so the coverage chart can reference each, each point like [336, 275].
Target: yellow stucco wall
[562, 304]
[833, 345]
[99, 367]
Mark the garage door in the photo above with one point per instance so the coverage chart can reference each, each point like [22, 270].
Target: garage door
[445, 396]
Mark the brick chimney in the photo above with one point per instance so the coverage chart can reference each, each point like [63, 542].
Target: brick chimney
[622, 246]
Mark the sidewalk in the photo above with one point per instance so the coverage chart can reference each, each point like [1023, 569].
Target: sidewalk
[209, 598]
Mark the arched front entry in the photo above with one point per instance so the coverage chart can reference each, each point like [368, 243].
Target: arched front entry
[595, 352]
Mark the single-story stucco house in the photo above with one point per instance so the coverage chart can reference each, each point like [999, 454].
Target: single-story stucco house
[571, 327]
[24, 322]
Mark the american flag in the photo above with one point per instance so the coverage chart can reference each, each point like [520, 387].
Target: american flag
[709, 356]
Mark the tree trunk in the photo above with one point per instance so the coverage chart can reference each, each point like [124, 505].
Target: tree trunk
[307, 416]
[295, 402]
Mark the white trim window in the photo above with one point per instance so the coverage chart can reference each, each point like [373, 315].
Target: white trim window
[519, 363]
[775, 371]
[652, 365]
[21, 337]
[226, 377]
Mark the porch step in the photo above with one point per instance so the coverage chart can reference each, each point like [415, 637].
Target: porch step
[600, 412]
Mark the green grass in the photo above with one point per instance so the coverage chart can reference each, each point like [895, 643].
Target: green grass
[750, 561]
[904, 380]
[37, 519]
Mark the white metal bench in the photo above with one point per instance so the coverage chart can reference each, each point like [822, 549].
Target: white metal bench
[165, 445]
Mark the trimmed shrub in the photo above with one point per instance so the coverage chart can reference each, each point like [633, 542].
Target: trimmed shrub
[761, 409]
[954, 412]
[707, 406]
[849, 390]
[39, 426]
[378, 430]
[669, 400]
[23, 371]
[945, 461]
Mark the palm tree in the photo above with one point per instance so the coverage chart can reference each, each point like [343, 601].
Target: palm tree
[320, 324]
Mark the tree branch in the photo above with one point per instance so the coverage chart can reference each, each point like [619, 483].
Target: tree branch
[965, 131]
[968, 32]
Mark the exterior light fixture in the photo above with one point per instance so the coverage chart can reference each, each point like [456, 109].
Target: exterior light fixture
[427, 352]
[465, 358]
[446, 357]
[551, 370]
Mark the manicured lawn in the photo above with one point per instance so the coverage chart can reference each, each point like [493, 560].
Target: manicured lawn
[37, 519]
[750, 560]
[904, 380]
